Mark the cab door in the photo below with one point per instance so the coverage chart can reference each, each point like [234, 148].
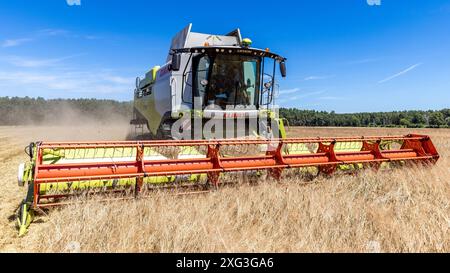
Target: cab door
[202, 68]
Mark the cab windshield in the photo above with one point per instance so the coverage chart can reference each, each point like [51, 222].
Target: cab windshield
[225, 80]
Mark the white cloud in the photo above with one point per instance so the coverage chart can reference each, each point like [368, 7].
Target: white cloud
[331, 98]
[20, 61]
[46, 32]
[59, 77]
[25, 78]
[68, 82]
[289, 91]
[314, 78]
[15, 42]
[73, 2]
[53, 32]
[363, 61]
[401, 73]
[374, 2]
[118, 79]
[299, 95]
[91, 37]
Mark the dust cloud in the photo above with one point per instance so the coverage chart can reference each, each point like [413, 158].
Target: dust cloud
[69, 123]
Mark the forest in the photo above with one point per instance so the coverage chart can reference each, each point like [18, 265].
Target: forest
[36, 111]
[410, 119]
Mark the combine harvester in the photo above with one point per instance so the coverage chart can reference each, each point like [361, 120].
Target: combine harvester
[208, 79]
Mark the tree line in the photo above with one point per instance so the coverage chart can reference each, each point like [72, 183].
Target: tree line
[410, 119]
[26, 110]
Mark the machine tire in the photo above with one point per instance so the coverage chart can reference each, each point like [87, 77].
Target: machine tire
[162, 133]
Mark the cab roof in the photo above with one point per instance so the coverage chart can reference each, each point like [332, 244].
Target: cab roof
[232, 50]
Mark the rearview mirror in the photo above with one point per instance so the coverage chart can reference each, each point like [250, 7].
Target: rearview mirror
[283, 69]
[176, 62]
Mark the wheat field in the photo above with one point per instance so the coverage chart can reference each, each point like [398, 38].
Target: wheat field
[400, 210]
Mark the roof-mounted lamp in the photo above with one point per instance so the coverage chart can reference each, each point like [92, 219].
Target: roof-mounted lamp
[246, 42]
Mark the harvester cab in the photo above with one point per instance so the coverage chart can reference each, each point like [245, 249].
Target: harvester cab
[212, 89]
[215, 86]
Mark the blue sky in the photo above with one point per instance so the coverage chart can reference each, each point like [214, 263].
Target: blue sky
[345, 56]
